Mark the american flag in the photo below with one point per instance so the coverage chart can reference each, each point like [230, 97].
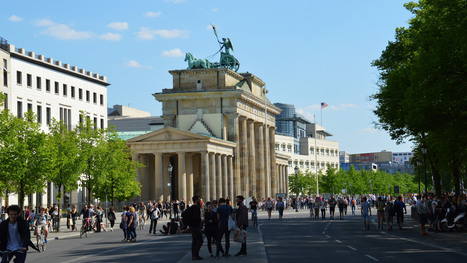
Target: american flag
[323, 105]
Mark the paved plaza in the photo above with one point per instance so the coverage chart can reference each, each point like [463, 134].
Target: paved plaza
[296, 238]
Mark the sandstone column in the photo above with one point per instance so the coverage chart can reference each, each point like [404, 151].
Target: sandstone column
[205, 189]
[272, 162]
[219, 176]
[244, 157]
[212, 176]
[181, 176]
[189, 176]
[225, 181]
[234, 136]
[158, 174]
[252, 157]
[231, 177]
[260, 178]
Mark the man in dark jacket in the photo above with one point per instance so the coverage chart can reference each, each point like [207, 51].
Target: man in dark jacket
[15, 235]
[195, 227]
[242, 221]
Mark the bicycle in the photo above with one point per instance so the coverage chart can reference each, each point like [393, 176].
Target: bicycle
[85, 228]
[254, 218]
[8, 255]
[41, 240]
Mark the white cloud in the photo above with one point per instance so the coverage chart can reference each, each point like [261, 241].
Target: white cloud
[61, 31]
[173, 53]
[153, 14]
[214, 10]
[147, 33]
[135, 64]
[15, 18]
[118, 25]
[111, 37]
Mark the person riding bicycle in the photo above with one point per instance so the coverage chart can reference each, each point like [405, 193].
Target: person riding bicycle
[15, 235]
[254, 208]
[41, 222]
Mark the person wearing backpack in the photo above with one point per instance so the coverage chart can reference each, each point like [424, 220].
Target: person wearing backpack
[353, 205]
[154, 214]
[380, 212]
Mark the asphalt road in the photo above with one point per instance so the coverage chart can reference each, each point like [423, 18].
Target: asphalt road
[299, 239]
[296, 238]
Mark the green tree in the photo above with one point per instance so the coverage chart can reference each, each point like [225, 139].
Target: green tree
[89, 137]
[119, 181]
[423, 78]
[65, 162]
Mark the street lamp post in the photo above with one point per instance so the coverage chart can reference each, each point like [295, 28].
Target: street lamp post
[169, 184]
[371, 188]
[296, 188]
[419, 164]
[424, 162]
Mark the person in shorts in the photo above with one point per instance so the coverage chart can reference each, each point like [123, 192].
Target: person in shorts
[366, 213]
[41, 222]
[269, 206]
[422, 210]
[280, 207]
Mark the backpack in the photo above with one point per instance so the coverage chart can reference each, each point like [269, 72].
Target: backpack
[353, 201]
[187, 216]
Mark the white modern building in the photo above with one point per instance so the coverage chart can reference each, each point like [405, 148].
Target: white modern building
[401, 157]
[304, 142]
[51, 89]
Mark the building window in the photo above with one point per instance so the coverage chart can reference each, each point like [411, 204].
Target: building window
[327, 152]
[312, 165]
[39, 113]
[19, 109]
[5, 103]
[19, 76]
[95, 123]
[56, 87]
[277, 147]
[289, 148]
[48, 115]
[65, 90]
[80, 94]
[102, 100]
[47, 85]
[312, 150]
[65, 117]
[102, 124]
[29, 107]
[5, 77]
[301, 164]
[73, 92]
[283, 147]
[88, 97]
[322, 152]
[29, 80]
[290, 163]
[39, 83]
[307, 165]
[94, 97]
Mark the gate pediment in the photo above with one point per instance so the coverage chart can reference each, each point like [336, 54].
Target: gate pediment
[168, 134]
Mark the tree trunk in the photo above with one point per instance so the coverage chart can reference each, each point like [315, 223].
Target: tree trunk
[21, 198]
[437, 179]
[59, 200]
[456, 176]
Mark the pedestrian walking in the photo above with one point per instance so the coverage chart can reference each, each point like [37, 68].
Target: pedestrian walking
[400, 207]
[353, 205]
[224, 211]
[341, 205]
[390, 212]
[123, 223]
[242, 221]
[193, 220]
[111, 216]
[332, 207]
[210, 227]
[422, 210]
[155, 213]
[323, 205]
[366, 213]
[73, 216]
[380, 212]
[132, 223]
[280, 207]
[269, 206]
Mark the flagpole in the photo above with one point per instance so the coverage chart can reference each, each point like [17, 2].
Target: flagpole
[316, 159]
[321, 115]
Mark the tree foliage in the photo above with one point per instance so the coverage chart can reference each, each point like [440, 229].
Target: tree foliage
[422, 85]
[354, 182]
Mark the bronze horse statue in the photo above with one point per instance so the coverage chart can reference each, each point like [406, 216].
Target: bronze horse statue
[195, 63]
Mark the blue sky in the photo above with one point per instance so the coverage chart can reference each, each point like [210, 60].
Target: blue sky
[306, 51]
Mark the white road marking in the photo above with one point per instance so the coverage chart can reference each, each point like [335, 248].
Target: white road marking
[338, 241]
[374, 259]
[328, 236]
[354, 249]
